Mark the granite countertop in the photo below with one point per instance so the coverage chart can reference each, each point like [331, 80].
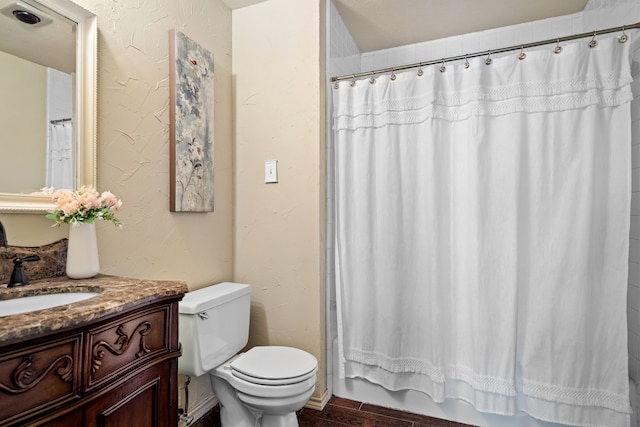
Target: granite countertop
[116, 295]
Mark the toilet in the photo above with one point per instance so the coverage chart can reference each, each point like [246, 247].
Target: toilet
[263, 386]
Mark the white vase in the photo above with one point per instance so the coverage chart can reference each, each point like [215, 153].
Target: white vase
[82, 251]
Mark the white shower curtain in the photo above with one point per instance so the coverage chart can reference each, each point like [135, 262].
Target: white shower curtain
[60, 156]
[482, 226]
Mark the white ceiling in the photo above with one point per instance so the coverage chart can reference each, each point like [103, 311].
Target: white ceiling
[51, 45]
[374, 24]
[380, 24]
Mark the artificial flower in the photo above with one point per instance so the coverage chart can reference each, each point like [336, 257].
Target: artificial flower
[84, 205]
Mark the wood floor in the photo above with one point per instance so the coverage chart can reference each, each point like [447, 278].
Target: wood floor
[343, 412]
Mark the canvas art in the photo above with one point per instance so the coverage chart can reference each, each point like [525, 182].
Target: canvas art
[191, 87]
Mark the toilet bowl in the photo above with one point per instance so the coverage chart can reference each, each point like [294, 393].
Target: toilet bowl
[273, 382]
[266, 385]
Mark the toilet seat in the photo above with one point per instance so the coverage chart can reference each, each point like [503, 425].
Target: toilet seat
[262, 381]
[274, 365]
[262, 390]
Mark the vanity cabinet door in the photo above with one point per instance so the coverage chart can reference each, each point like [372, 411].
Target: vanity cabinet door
[126, 343]
[115, 372]
[72, 419]
[141, 401]
[38, 378]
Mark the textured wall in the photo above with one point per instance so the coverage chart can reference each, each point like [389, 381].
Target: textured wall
[280, 227]
[133, 150]
[133, 140]
[133, 145]
[278, 64]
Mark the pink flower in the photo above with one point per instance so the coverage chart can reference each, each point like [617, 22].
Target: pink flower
[84, 205]
[89, 198]
[110, 200]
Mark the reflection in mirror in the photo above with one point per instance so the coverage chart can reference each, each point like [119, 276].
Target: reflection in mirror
[37, 65]
[47, 100]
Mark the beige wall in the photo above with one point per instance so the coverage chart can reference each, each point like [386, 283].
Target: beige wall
[279, 227]
[23, 118]
[278, 58]
[133, 145]
[133, 151]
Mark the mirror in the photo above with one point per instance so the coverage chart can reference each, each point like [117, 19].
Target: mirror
[47, 101]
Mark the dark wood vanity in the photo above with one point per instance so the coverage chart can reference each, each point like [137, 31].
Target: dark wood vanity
[106, 361]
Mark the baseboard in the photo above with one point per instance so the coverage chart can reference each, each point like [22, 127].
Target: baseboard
[318, 402]
[202, 408]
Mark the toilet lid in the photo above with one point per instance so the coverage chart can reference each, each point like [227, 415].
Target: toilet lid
[274, 365]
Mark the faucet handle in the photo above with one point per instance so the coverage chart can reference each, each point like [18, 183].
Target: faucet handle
[34, 257]
[18, 276]
[3, 237]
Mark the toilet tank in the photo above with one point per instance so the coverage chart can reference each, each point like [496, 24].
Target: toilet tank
[213, 325]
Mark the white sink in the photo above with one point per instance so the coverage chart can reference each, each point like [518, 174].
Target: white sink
[40, 302]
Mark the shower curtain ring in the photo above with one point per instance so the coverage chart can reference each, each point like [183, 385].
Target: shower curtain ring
[336, 85]
[623, 38]
[558, 48]
[420, 72]
[488, 61]
[353, 80]
[372, 80]
[466, 63]
[442, 67]
[593, 42]
[522, 54]
[393, 74]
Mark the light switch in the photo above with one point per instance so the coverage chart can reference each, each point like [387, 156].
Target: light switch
[270, 171]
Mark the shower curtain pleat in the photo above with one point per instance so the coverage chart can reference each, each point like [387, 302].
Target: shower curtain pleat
[482, 221]
[60, 156]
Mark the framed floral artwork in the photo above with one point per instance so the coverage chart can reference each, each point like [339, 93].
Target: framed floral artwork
[191, 125]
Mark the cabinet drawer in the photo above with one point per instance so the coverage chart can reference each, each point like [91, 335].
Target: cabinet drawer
[125, 344]
[39, 378]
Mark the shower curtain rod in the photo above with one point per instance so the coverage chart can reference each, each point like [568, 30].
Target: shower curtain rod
[55, 122]
[488, 52]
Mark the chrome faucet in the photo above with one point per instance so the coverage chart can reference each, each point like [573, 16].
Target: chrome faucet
[3, 237]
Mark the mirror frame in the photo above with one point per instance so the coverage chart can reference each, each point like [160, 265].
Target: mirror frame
[85, 112]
